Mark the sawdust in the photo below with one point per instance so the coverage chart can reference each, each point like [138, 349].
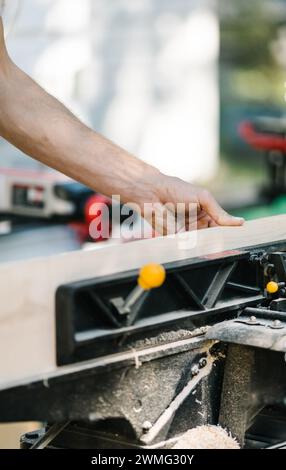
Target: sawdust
[206, 437]
[169, 336]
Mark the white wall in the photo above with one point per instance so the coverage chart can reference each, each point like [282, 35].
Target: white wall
[143, 72]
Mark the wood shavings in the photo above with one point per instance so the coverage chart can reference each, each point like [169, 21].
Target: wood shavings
[206, 437]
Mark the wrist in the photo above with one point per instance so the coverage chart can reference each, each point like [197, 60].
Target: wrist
[143, 187]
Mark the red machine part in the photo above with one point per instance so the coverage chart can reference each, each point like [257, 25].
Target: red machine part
[83, 228]
[100, 202]
[261, 140]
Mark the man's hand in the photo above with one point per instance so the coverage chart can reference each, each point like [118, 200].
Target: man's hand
[209, 212]
[177, 205]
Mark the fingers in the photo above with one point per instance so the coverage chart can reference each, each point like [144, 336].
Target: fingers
[205, 221]
[216, 212]
[212, 223]
[167, 219]
[161, 218]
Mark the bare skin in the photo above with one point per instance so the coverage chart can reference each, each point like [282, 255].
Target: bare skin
[39, 125]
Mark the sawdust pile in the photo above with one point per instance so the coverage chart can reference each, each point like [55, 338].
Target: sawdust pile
[206, 437]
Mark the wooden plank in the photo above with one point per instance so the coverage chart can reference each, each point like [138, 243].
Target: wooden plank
[27, 288]
[10, 434]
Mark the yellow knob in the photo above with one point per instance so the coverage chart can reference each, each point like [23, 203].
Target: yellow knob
[151, 275]
[272, 287]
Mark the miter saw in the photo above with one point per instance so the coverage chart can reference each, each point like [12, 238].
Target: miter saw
[111, 355]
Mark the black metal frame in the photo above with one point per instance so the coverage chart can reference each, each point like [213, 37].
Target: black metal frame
[197, 291]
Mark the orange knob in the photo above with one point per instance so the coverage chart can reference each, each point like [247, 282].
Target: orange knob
[151, 275]
[272, 287]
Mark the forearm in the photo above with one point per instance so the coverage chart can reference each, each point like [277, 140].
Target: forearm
[43, 128]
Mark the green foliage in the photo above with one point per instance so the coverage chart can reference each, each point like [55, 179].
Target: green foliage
[247, 29]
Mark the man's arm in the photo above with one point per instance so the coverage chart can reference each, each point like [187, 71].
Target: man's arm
[43, 128]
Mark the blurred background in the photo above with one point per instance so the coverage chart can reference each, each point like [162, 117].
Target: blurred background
[144, 73]
[195, 87]
[252, 87]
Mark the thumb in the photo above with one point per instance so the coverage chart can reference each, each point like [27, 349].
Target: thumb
[218, 214]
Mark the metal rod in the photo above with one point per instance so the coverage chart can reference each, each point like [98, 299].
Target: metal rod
[132, 298]
[243, 288]
[49, 436]
[264, 313]
[169, 412]
[277, 446]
